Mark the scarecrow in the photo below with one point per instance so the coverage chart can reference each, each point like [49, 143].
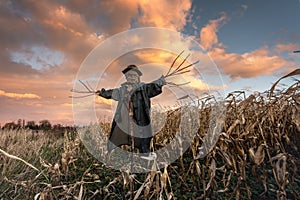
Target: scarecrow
[132, 123]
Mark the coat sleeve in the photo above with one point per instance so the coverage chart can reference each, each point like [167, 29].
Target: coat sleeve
[155, 88]
[110, 94]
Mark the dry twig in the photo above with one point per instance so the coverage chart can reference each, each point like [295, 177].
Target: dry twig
[20, 159]
[88, 92]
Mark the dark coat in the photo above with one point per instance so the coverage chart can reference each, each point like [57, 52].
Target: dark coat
[137, 102]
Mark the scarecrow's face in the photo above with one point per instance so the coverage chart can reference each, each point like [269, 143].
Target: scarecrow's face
[132, 77]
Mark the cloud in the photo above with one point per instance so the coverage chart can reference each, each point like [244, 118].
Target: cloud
[101, 101]
[32, 31]
[251, 64]
[262, 61]
[286, 47]
[68, 105]
[208, 34]
[38, 57]
[164, 14]
[19, 96]
[154, 56]
[74, 28]
[202, 86]
[106, 17]
[244, 7]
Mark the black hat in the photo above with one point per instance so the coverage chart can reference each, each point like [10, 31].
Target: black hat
[132, 67]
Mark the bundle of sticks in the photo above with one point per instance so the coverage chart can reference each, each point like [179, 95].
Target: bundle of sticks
[179, 70]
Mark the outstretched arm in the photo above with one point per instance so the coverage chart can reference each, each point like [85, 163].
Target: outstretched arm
[109, 94]
[155, 88]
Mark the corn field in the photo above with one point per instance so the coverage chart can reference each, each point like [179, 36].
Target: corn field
[256, 156]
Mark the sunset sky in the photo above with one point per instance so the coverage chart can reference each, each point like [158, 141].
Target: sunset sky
[43, 44]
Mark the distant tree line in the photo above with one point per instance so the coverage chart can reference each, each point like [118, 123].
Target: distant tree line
[43, 125]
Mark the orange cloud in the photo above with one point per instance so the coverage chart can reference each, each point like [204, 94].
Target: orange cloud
[101, 100]
[68, 105]
[262, 61]
[251, 64]
[19, 96]
[286, 47]
[200, 85]
[208, 34]
[154, 56]
[164, 14]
